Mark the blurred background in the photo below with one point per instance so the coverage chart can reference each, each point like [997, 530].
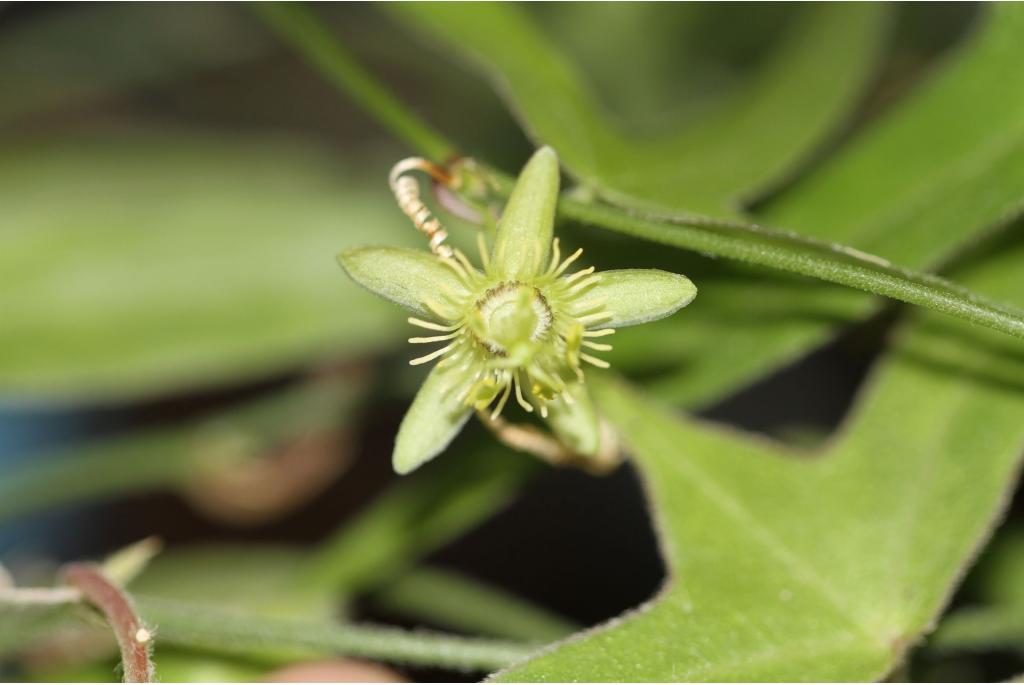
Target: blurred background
[181, 357]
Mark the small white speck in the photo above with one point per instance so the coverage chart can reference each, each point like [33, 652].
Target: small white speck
[143, 635]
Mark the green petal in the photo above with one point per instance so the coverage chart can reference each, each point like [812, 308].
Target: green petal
[405, 276]
[640, 295]
[524, 233]
[576, 424]
[432, 422]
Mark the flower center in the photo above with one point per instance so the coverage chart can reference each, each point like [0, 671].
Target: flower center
[512, 314]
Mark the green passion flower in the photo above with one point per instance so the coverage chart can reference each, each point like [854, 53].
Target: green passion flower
[522, 326]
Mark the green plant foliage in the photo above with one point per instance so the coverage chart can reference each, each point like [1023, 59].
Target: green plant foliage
[997, 622]
[179, 457]
[449, 599]
[917, 185]
[55, 60]
[944, 167]
[210, 575]
[828, 566]
[146, 263]
[285, 640]
[711, 163]
[522, 321]
[135, 265]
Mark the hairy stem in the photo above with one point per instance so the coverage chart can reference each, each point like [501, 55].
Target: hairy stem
[133, 638]
[276, 639]
[740, 241]
[799, 254]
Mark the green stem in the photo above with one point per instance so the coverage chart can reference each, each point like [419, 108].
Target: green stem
[744, 242]
[799, 254]
[273, 639]
[419, 514]
[454, 601]
[299, 27]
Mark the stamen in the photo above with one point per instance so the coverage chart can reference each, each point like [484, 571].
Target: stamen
[501, 403]
[584, 284]
[430, 325]
[434, 338]
[433, 355]
[588, 305]
[579, 274]
[470, 269]
[600, 333]
[552, 380]
[456, 266]
[481, 245]
[600, 347]
[568, 260]
[595, 317]
[435, 307]
[519, 393]
[449, 292]
[599, 363]
[556, 254]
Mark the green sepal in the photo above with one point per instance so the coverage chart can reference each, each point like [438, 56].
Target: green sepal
[576, 424]
[405, 276]
[635, 296]
[523, 240]
[436, 416]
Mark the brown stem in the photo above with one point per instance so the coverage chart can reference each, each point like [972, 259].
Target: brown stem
[546, 447]
[133, 637]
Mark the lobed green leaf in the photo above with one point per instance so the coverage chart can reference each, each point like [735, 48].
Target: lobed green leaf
[786, 566]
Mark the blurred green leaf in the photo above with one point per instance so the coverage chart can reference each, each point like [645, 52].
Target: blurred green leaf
[942, 169]
[272, 639]
[751, 243]
[749, 140]
[181, 456]
[260, 579]
[795, 253]
[61, 58]
[452, 600]
[275, 640]
[140, 264]
[420, 513]
[786, 566]
[998, 621]
[981, 629]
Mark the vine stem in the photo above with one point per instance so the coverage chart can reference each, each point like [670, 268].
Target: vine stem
[300, 28]
[133, 638]
[781, 250]
[281, 639]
